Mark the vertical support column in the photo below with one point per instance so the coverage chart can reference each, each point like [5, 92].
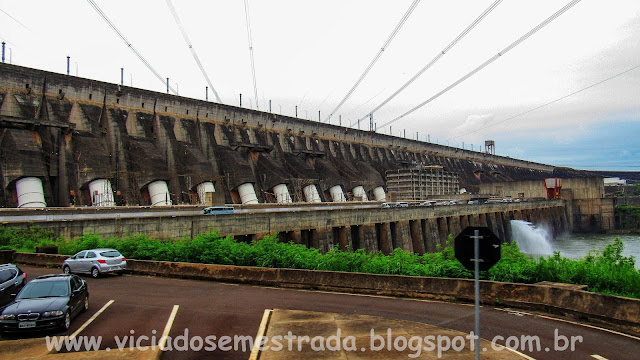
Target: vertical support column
[464, 221]
[483, 218]
[454, 226]
[415, 229]
[294, 236]
[393, 231]
[319, 240]
[369, 238]
[500, 227]
[382, 233]
[506, 223]
[431, 233]
[517, 215]
[443, 231]
[491, 222]
[404, 238]
[343, 240]
[305, 238]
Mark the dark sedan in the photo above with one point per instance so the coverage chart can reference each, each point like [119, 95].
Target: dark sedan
[12, 279]
[47, 302]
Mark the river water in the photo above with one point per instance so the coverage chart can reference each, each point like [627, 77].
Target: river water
[539, 241]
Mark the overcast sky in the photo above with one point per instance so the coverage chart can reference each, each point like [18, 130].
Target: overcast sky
[310, 53]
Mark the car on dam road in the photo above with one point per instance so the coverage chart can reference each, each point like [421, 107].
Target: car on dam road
[47, 302]
[95, 262]
[12, 279]
[215, 210]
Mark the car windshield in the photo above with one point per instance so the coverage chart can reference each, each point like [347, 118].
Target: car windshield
[110, 254]
[40, 289]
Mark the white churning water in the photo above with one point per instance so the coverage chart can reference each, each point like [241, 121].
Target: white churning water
[531, 239]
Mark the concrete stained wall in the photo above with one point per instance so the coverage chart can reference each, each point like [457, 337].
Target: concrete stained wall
[69, 131]
[587, 208]
[416, 229]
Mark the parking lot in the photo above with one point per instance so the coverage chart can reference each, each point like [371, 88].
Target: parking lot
[139, 309]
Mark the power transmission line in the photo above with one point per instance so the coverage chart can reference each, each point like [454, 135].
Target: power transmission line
[16, 20]
[494, 58]
[549, 103]
[375, 59]
[193, 52]
[437, 57]
[144, 61]
[253, 67]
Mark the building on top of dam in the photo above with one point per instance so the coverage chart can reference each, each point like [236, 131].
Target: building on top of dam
[69, 141]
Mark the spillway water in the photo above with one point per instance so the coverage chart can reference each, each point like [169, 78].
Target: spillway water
[531, 239]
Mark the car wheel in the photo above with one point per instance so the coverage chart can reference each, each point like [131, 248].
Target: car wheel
[66, 269]
[95, 272]
[85, 307]
[67, 321]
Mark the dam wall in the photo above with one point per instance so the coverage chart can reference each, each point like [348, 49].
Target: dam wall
[149, 148]
[588, 209]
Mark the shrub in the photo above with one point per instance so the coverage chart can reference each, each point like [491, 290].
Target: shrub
[606, 272]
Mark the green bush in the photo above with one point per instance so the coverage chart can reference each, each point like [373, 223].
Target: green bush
[606, 272]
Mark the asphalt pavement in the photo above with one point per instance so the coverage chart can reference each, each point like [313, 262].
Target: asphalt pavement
[144, 308]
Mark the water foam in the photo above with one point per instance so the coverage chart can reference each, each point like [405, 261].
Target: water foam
[531, 239]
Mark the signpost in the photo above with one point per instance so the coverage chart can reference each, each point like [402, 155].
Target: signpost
[478, 249]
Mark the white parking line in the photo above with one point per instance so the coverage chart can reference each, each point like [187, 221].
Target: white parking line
[255, 352]
[86, 323]
[518, 353]
[571, 322]
[167, 328]
[596, 356]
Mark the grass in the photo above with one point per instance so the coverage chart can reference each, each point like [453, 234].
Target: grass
[605, 272]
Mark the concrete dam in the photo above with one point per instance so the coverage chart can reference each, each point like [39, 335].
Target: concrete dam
[68, 141]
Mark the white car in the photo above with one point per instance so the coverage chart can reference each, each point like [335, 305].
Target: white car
[95, 262]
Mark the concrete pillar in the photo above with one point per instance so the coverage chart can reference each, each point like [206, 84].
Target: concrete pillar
[492, 222]
[343, 240]
[474, 220]
[416, 236]
[517, 215]
[430, 234]
[382, 232]
[454, 226]
[294, 236]
[464, 221]
[321, 239]
[506, 223]
[369, 239]
[500, 227]
[443, 231]
[393, 232]
[403, 236]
